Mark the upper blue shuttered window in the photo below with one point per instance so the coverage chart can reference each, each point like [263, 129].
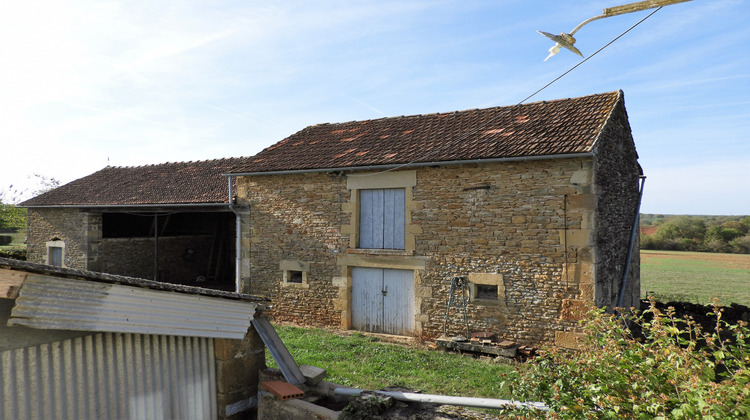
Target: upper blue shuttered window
[382, 218]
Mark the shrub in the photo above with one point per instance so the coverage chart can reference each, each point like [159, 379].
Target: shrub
[670, 369]
[15, 254]
[741, 245]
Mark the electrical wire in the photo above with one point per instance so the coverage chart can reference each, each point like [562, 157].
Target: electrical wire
[512, 107]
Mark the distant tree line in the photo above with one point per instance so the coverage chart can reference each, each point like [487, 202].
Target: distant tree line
[730, 234]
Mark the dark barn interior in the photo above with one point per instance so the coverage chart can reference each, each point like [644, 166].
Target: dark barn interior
[195, 248]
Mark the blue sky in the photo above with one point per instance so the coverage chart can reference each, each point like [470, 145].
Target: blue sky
[87, 83]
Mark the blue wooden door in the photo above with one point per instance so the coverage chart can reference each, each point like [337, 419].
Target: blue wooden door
[383, 300]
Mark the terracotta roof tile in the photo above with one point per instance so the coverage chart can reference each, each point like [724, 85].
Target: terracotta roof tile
[198, 182]
[557, 127]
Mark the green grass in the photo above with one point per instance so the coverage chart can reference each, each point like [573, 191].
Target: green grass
[365, 362]
[696, 276]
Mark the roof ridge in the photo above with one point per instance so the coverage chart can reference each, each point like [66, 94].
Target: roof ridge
[490, 108]
[150, 165]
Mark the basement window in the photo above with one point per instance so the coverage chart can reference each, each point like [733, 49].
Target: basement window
[486, 291]
[487, 288]
[294, 276]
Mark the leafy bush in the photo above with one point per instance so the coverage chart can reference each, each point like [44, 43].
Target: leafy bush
[670, 369]
[741, 245]
[15, 254]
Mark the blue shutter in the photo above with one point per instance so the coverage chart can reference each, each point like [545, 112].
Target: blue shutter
[382, 218]
[394, 218]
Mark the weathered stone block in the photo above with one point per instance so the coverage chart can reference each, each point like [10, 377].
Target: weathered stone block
[568, 340]
[574, 310]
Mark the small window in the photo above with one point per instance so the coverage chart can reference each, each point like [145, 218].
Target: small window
[486, 291]
[294, 273]
[487, 288]
[294, 276]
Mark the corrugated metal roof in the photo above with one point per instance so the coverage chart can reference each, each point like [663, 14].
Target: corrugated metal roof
[53, 303]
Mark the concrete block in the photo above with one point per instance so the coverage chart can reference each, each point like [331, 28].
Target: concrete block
[313, 374]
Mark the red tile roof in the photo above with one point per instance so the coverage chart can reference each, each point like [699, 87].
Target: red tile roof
[164, 184]
[559, 127]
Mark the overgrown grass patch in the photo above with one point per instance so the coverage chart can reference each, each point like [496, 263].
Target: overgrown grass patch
[366, 362]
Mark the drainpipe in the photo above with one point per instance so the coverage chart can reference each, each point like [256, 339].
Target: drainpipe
[446, 399]
[632, 244]
[238, 228]
[156, 246]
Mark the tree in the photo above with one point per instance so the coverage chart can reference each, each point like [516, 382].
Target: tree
[722, 233]
[683, 227]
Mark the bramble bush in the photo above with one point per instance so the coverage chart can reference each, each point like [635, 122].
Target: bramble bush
[661, 367]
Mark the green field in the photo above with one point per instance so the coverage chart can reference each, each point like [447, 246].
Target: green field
[696, 276]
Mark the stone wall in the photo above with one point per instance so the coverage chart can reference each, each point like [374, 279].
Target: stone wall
[134, 257]
[238, 363]
[507, 224]
[294, 218]
[510, 219]
[616, 178]
[67, 225]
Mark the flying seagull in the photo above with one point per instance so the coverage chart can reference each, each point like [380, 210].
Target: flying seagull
[562, 40]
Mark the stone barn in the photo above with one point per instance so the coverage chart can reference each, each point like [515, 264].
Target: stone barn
[171, 222]
[362, 225]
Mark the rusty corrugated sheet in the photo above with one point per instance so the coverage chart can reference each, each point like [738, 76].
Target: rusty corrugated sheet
[47, 302]
[110, 376]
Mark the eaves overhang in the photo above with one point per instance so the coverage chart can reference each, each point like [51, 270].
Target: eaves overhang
[130, 206]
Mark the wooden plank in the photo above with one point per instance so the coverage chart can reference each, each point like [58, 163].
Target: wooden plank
[278, 351]
[10, 283]
[398, 301]
[393, 218]
[367, 299]
[476, 348]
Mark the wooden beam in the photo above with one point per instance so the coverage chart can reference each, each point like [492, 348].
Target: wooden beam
[10, 283]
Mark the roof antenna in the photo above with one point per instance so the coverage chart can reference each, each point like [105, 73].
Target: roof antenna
[567, 40]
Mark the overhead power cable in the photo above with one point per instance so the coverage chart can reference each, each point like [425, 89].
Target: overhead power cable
[510, 108]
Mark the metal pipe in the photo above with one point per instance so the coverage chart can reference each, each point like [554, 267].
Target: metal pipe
[415, 165]
[627, 8]
[156, 246]
[633, 232]
[445, 399]
[238, 242]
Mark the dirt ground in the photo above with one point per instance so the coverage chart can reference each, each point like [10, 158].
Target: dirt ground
[736, 261]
